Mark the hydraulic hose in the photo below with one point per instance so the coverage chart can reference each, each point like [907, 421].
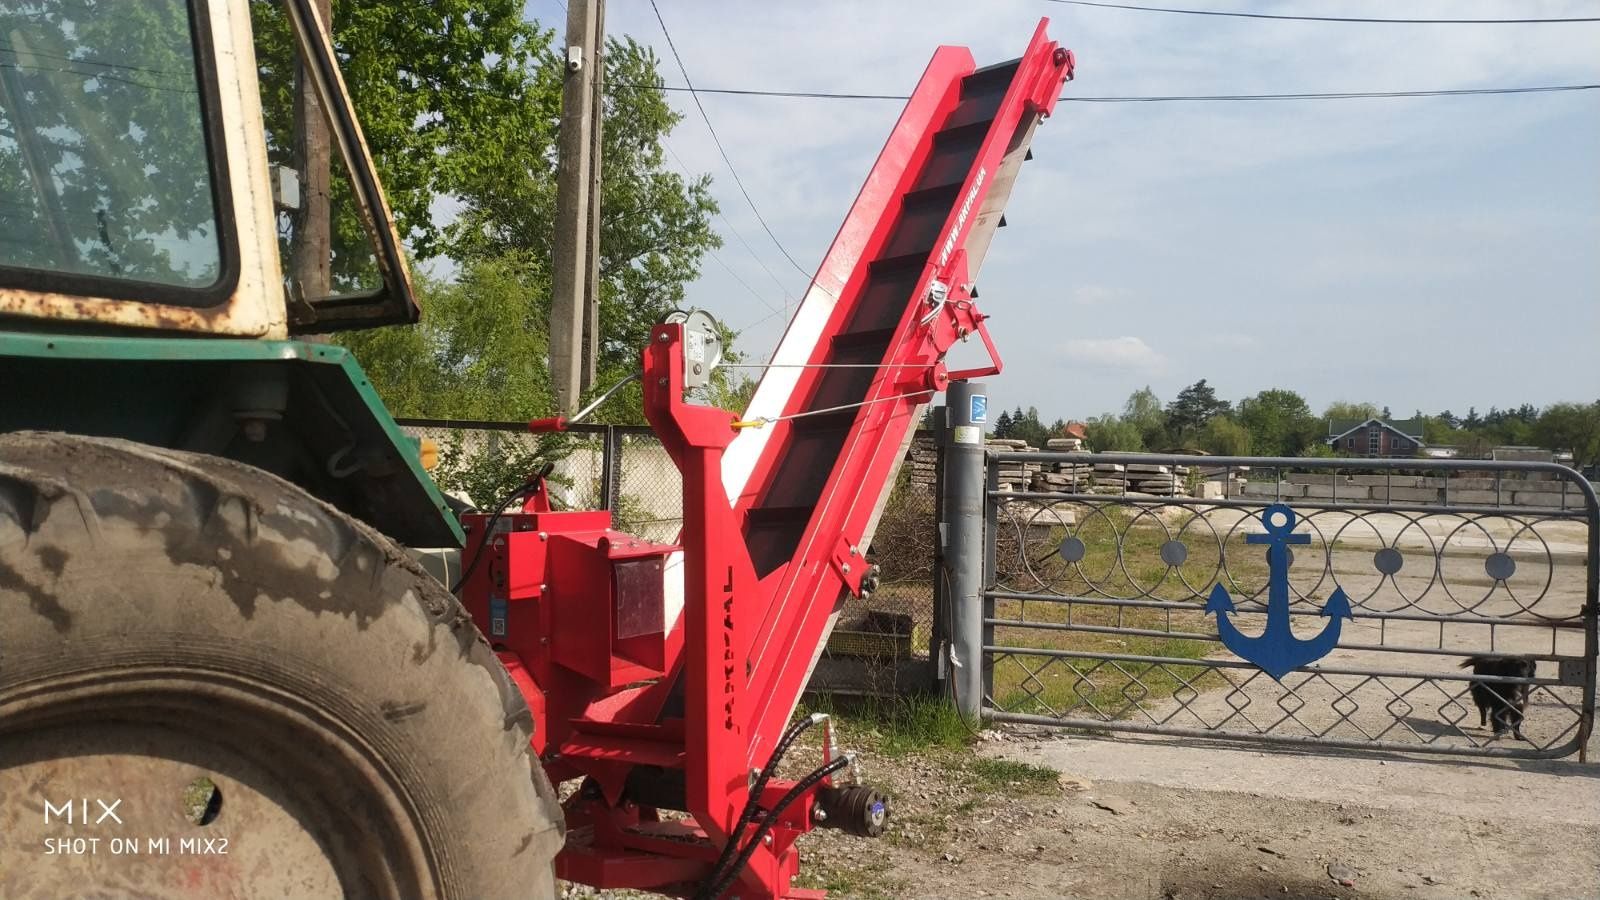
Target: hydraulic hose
[753, 801]
[717, 884]
[488, 529]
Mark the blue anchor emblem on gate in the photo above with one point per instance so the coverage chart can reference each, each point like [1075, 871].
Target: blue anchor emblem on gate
[1277, 651]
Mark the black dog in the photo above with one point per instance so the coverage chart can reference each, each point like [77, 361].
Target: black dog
[1501, 702]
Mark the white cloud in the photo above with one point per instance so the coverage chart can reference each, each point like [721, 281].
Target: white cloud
[1127, 353]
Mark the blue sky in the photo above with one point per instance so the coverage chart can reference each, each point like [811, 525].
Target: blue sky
[1416, 253]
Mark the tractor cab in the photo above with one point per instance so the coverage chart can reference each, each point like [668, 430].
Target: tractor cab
[141, 186]
[173, 172]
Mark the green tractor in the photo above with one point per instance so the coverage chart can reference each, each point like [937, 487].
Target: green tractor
[220, 673]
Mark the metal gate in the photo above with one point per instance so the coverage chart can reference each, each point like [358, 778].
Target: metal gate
[1099, 609]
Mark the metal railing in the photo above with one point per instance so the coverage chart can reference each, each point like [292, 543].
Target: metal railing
[1100, 567]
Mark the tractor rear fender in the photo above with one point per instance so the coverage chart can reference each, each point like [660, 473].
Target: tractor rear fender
[302, 411]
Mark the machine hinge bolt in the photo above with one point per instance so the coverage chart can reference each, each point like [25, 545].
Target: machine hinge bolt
[845, 568]
[819, 815]
[544, 536]
[767, 840]
[662, 337]
[661, 381]
[853, 551]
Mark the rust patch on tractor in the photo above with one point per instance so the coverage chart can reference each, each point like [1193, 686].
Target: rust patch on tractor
[223, 318]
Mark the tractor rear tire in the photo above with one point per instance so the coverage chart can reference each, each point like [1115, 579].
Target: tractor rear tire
[214, 685]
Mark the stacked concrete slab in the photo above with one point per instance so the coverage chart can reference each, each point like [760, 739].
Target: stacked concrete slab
[1014, 475]
[1158, 480]
[1219, 482]
[1468, 489]
[1064, 477]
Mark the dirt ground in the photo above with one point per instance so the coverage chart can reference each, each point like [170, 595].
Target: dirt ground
[966, 825]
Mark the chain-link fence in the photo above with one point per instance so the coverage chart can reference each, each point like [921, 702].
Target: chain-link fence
[622, 468]
[880, 644]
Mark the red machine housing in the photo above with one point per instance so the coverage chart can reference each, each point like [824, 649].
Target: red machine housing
[665, 675]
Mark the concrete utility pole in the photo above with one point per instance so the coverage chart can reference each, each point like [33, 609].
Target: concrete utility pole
[576, 176]
[591, 285]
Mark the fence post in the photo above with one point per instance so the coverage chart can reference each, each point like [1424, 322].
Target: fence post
[610, 467]
[961, 506]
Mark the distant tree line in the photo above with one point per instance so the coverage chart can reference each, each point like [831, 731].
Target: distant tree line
[1279, 422]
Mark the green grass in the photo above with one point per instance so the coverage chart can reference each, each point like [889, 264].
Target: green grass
[1002, 774]
[896, 726]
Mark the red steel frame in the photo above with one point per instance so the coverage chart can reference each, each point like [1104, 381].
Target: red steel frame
[621, 692]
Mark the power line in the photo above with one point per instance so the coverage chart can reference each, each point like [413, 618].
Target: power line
[1155, 98]
[766, 318]
[718, 141]
[731, 227]
[775, 311]
[742, 283]
[1347, 19]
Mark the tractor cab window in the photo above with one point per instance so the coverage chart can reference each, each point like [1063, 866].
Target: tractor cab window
[341, 261]
[105, 176]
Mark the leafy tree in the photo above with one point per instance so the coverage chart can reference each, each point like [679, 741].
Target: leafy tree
[655, 225]
[1386, 415]
[1340, 409]
[1473, 444]
[479, 353]
[733, 392]
[440, 88]
[1574, 427]
[1448, 419]
[1002, 425]
[1143, 411]
[1318, 450]
[461, 99]
[1027, 427]
[1195, 406]
[1223, 436]
[1279, 421]
[1473, 421]
[1438, 430]
[1110, 434]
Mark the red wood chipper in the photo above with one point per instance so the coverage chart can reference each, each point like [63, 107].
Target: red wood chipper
[664, 676]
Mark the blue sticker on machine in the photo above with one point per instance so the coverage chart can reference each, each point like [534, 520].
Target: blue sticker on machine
[980, 408]
[497, 617]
